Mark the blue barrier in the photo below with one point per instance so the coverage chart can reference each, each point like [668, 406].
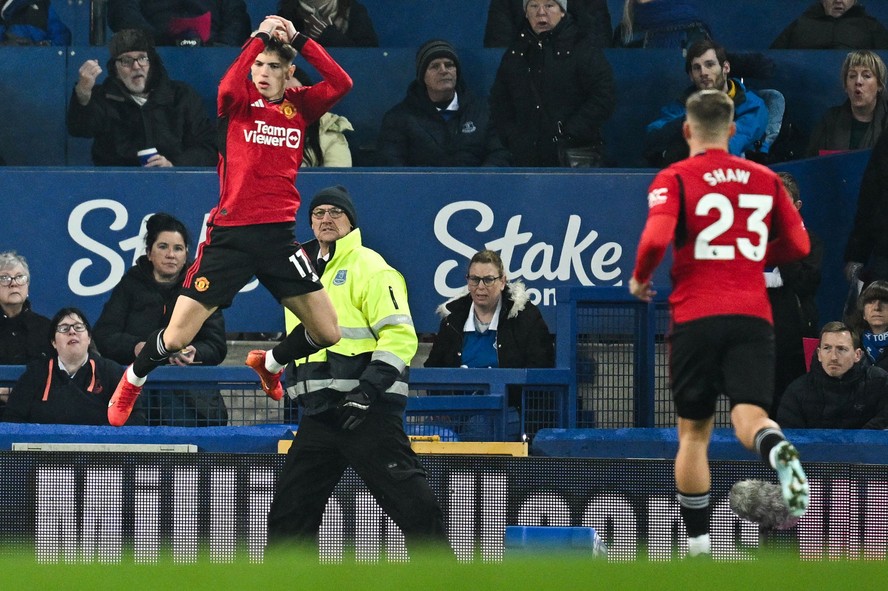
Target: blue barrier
[815, 445]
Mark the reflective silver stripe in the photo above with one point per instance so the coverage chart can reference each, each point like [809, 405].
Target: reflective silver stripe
[306, 386]
[389, 358]
[357, 334]
[302, 388]
[393, 320]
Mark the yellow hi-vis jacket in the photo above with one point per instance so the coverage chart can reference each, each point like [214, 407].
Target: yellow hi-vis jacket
[378, 337]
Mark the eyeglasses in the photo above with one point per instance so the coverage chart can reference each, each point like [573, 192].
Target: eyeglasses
[64, 328]
[474, 280]
[548, 6]
[128, 62]
[6, 280]
[335, 213]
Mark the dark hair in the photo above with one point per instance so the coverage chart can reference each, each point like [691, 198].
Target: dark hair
[57, 319]
[164, 222]
[488, 256]
[791, 186]
[285, 51]
[877, 290]
[701, 47]
[313, 131]
[837, 326]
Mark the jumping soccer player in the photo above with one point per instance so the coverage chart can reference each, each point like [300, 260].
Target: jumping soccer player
[250, 232]
[727, 218]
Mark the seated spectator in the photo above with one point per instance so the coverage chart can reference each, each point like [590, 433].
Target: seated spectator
[73, 387]
[506, 18]
[187, 23]
[707, 65]
[325, 142]
[859, 121]
[440, 122]
[833, 24]
[142, 303]
[332, 23]
[792, 291]
[492, 323]
[31, 22]
[554, 88]
[839, 392]
[872, 322]
[22, 331]
[660, 24]
[138, 107]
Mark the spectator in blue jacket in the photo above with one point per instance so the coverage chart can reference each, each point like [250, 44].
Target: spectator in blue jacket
[707, 66]
[31, 22]
[439, 122]
[186, 23]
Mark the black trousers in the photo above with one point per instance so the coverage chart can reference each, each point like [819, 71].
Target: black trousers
[379, 452]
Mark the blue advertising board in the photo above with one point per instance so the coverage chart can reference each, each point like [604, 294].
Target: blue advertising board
[81, 228]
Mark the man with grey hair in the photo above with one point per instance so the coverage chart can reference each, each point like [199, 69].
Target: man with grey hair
[139, 107]
[720, 213]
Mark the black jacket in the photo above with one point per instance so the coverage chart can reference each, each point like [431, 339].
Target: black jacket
[174, 120]
[138, 306]
[868, 241]
[24, 338]
[53, 397]
[815, 29]
[506, 17]
[522, 337]
[857, 400]
[559, 76]
[230, 21]
[414, 133]
[359, 33]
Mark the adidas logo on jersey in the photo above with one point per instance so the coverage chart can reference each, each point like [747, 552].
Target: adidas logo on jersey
[258, 103]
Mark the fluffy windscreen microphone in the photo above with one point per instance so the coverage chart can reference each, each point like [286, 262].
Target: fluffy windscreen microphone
[762, 503]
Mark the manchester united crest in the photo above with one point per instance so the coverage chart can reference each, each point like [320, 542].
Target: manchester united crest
[288, 109]
[201, 284]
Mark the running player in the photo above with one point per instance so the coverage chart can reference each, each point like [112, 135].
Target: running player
[727, 218]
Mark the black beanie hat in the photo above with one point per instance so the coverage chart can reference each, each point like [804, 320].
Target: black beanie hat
[336, 196]
[432, 50]
[127, 40]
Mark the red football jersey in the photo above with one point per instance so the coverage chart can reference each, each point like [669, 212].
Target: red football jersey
[264, 141]
[727, 218]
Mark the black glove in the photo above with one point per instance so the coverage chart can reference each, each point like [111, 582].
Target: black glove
[353, 409]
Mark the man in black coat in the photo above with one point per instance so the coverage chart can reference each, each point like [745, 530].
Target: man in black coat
[553, 87]
[866, 253]
[839, 392]
[833, 24]
[138, 107]
[440, 122]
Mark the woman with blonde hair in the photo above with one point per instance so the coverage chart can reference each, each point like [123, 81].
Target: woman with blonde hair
[857, 123]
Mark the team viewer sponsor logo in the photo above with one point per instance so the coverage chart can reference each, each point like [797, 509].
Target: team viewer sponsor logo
[273, 135]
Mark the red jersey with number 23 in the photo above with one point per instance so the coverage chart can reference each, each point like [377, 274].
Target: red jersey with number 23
[264, 140]
[727, 219]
